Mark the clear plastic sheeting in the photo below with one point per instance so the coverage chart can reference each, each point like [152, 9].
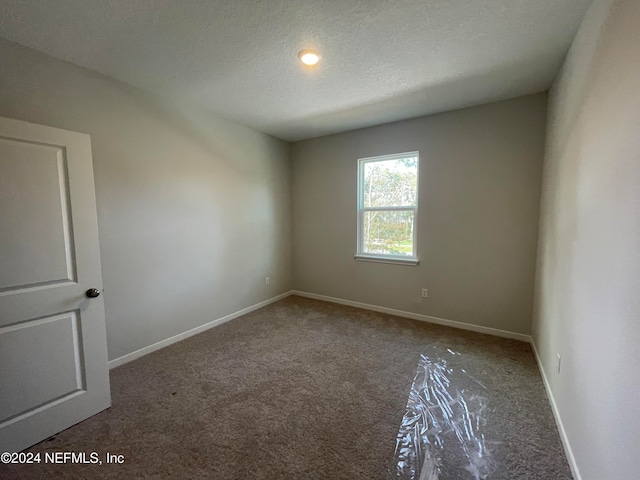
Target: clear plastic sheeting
[441, 436]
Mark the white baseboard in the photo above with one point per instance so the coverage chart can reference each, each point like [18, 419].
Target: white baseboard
[556, 414]
[189, 333]
[417, 316]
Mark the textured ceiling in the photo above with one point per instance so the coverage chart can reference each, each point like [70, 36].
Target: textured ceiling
[383, 60]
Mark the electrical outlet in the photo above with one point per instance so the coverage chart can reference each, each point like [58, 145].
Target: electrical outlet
[425, 293]
[267, 281]
[559, 361]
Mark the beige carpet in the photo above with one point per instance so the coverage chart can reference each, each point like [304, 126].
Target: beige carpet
[304, 389]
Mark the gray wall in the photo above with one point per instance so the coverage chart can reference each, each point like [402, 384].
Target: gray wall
[480, 171]
[588, 280]
[193, 211]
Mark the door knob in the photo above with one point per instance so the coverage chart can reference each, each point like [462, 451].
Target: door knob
[92, 293]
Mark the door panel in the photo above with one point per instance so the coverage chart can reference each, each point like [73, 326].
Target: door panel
[53, 356]
[57, 365]
[36, 231]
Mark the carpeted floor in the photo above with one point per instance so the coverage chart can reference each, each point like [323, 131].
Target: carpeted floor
[304, 389]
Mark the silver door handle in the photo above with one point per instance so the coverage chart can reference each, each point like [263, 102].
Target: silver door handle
[92, 293]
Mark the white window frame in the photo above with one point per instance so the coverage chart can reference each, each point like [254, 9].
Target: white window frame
[397, 259]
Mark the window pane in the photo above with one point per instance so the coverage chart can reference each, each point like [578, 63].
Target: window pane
[391, 183]
[388, 233]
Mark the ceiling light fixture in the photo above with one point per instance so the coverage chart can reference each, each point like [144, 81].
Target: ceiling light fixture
[309, 57]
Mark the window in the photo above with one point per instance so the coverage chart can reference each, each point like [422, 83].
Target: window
[388, 208]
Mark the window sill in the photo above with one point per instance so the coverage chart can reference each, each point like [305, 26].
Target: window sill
[412, 262]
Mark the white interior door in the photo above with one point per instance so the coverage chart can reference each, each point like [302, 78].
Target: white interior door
[53, 352]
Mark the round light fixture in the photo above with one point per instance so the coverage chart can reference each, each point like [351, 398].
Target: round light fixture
[309, 57]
